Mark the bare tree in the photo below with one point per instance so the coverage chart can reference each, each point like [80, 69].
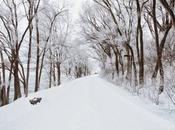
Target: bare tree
[30, 14]
[11, 25]
[169, 8]
[40, 62]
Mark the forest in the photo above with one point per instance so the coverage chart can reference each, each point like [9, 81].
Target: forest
[131, 41]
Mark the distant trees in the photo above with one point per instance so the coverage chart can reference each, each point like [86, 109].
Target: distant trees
[58, 52]
[110, 28]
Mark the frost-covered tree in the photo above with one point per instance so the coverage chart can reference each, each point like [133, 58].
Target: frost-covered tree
[131, 45]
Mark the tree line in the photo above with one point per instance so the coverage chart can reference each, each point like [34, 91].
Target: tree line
[133, 39]
[34, 42]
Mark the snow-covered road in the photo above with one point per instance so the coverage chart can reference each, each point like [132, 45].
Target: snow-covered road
[88, 103]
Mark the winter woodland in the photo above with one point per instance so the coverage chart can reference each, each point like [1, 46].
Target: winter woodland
[128, 42]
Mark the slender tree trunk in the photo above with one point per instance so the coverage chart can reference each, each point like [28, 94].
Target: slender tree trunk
[37, 46]
[156, 39]
[121, 62]
[133, 64]
[38, 56]
[3, 83]
[76, 72]
[30, 19]
[141, 68]
[58, 73]
[3, 95]
[42, 64]
[139, 45]
[115, 49]
[51, 70]
[9, 81]
[54, 75]
[16, 78]
[29, 59]
[128, 57]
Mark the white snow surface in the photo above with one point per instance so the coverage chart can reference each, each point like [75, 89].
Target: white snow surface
[89, 103]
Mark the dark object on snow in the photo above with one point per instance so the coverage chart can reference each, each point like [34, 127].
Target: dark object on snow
[35, 100]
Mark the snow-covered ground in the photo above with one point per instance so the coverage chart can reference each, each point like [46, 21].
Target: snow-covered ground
[88, 103]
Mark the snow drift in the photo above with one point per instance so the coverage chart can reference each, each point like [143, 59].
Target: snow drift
[84, 104]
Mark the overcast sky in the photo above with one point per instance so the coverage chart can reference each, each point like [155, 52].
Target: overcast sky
[75, 6]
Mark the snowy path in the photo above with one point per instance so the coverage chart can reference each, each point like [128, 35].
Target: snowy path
[85, 104]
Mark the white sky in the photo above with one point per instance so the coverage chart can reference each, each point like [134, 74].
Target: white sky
[74, 7]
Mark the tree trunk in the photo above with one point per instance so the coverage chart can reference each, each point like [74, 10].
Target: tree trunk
[29, 58]
[54, 75]
[16, 78]
[9, 81]
[139, 45]
[159, 47]
[51, 69]
[58, 73]
[162, 44]
[133, 64]
[30, 19]
[3, 84]
[38, 56]
[121, 62]
[116, 52]
[129, 64]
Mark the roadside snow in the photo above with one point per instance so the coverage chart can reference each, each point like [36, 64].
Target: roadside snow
[84, 104]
